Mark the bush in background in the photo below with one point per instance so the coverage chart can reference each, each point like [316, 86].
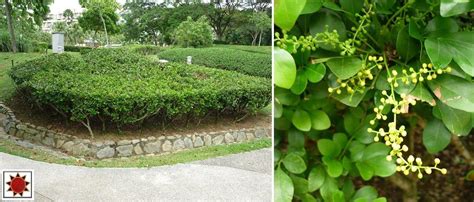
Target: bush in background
[249, 63]
[192, 33]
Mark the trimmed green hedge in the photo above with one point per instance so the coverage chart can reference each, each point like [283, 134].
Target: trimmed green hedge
[144, 49]
[124, 87]
[254, 64]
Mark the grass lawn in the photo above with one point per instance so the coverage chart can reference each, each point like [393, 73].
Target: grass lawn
[7, 146]
[254, 49]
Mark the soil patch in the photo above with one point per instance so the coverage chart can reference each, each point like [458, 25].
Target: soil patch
[27, 112]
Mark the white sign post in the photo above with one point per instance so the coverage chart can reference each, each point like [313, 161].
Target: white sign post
[190, 60]
[58, 42]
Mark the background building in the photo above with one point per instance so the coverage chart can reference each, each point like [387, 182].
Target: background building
[58, 17]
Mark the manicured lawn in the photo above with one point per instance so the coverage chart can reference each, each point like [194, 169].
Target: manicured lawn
[7, 146]
[254, 49]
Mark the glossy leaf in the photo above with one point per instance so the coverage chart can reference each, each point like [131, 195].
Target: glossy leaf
[316, 178]
[294, 163]
[328, 147]
[312, 6]
[287, 12]
[301, 120]
[407, 47]
[345, 67]
[320, 20]
[368, 193]
[285, 68]
[320, 120]
[300, 83]
[334, 167]
[454, 92]
[283, 186]
[315, 72]
[421, 93]
[455, 7]
[457, 46]
[435, 136]
[457, 121]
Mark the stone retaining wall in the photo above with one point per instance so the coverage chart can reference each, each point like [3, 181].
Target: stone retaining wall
[124, 148]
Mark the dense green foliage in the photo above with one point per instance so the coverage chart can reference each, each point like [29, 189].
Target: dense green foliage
[147, 22]
[358, 83]
[250, 63]
[192, 33]
[144, 49]
[123, 87]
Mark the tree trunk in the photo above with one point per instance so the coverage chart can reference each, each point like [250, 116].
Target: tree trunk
[105, 29]
[260, 38]
[8, 12]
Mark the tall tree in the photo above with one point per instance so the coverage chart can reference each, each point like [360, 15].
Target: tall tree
[221, 16]
[105, 8]
[28, 11]
[68, 16]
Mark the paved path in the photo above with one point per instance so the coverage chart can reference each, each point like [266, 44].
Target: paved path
[238, 177]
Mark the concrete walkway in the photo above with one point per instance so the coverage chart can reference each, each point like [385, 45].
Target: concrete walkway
[238, 177]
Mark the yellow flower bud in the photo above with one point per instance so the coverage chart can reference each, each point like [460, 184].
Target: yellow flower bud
[330, 90]
[379, 66]
[428, 170]
[421, 78]
[411, 159]
[399, 160]
[384, 92]
[376, 139]
[448, 69]
[429, 77]
[404, 148]
[394, 73]
[369, 130]
[418, 161]
[338, 91]
[424, 65]
[406, 172]
[372, 122]
[420, 175]
[414, 168]
[395, 84]
[389, 158]
[343, 85]
[444, 171]
[437, 161]
[430, 65]
[380, 58]
[439, 71]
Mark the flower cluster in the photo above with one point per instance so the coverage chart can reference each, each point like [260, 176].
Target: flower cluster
[426, 72]
[348, 46]
[306, 43]
[357, 83]
[394, 136]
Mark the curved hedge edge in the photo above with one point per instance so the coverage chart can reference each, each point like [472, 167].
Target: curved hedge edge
[90, 148]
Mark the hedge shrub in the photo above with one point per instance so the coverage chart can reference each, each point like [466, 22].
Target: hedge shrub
[125, 88]
[144, 49]
[254, 64]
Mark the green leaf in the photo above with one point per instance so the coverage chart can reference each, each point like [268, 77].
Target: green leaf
[286, 97]
[287, 12]
[295, 138]
[285, 68]
[334, 167]
[283, 186]
[351, 100]
[340, 139]
[320, 120]
[380, 199]
[294, 163]
[300, 83]
[414, 30]
[440, 25]
[352, 6]
[454, 91]
[278, 109]
[435, 136]
[315, 72]
[301, 120]
[331, 5]
[457, 121]
[455, 7]
[301, 185]
[329, 188]
[321, 19]
[366, 192]
[374, 162]
[312, 6]
[328, 147]
[407, 47]
[457, 46]
[421, 93]
[345, 67]
[316, 178]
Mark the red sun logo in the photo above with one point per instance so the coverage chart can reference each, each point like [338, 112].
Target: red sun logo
[18, 184]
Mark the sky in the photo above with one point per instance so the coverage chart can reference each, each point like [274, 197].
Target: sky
[59, 6]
